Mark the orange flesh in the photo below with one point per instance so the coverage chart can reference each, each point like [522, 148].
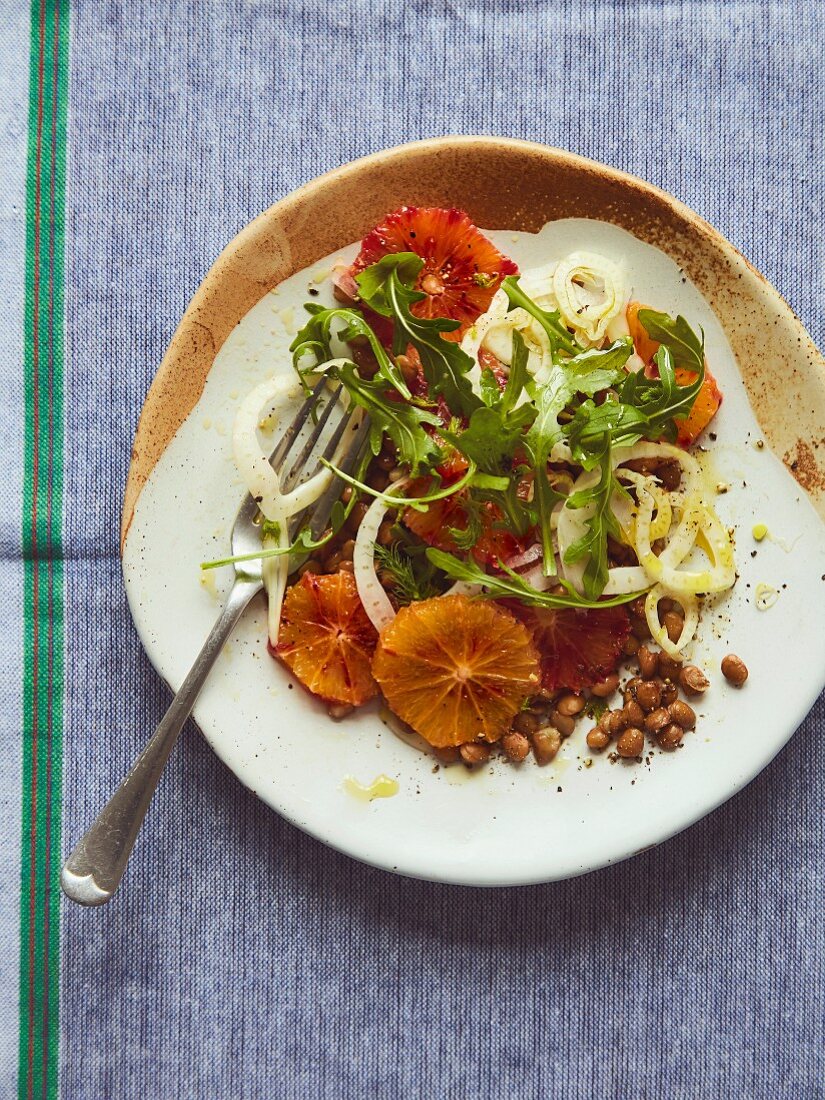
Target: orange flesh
[462, 268]
[327, 640]
[456, 669]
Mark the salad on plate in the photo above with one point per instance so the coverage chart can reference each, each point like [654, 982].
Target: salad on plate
[531, 517]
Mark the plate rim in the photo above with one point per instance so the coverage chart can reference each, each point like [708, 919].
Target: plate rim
[181, 345]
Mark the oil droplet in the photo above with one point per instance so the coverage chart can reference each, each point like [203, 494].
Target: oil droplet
[759, 531]
[207, 581]
[381, 787]
[207, 423]
[287, 317]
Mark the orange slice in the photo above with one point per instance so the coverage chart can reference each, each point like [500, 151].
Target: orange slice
[327, 640]
[456, 669]
[462, 268]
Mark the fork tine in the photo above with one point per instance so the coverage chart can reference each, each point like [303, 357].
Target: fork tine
[322, 509]
[298, 421]
[288, 480]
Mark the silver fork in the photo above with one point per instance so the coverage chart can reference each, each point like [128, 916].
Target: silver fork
[93, 871]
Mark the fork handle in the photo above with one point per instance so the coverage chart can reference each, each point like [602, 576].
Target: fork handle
[93, 871]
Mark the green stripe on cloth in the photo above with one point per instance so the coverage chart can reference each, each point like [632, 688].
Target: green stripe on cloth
[42, 526]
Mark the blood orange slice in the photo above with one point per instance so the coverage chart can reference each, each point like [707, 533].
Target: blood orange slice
[456, 669]
[462, 268]
[327, 640]
[577, 647]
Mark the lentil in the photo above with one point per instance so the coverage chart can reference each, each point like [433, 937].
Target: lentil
[630, 688]
[474, 753]
[606, 687]
[649, 694]
[670, 693]
[683, 715]
[613, 722]
[674, 624]
[546, 743]
[669, 474]
[670, 738]
[669, 666]
[734, 670]
[562, 722]
[515, 745]
[633, 714]
[693, 681]
[657, 720]
[631, 743]
[597, 739]
[526, 722]
[570, 705]
[337, 711]
[648, 662]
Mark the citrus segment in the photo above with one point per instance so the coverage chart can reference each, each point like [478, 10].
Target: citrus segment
[327, 640]
[705, 407]
[577, 647]
[462, 268]
[456, 669]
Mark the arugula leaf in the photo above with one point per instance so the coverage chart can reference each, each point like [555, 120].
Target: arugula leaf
[512, 586]
[314, 341]
[497, 428]
[402, 421]
[518, 377]
[664, 400]
[685, 346]
[557, 334]
[373, 281]
[490, 389]
[387, 288]
[602, 522]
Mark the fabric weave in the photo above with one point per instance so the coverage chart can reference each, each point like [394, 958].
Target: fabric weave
[242, 958]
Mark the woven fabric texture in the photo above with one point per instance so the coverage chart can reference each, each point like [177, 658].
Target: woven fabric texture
[245, 959]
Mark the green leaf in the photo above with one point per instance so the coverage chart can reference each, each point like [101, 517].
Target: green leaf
[518, 377]
[374, 280]
[593, 543]
[387, 288]
[512, 586]
[684, 345]
[490, 389]
[402, 421]
[557, 334]
[314, 343]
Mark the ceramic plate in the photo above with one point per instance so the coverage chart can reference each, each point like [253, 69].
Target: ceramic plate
[500, 825]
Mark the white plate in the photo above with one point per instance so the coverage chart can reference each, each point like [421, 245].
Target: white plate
[504, 824]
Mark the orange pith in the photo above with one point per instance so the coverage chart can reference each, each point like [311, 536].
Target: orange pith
[456, 669]
[327, 640]
[462, 268]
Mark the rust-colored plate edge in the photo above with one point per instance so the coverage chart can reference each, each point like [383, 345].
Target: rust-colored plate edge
[503, 184]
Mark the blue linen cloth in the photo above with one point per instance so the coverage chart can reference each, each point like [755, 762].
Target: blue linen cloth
[242, 958]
